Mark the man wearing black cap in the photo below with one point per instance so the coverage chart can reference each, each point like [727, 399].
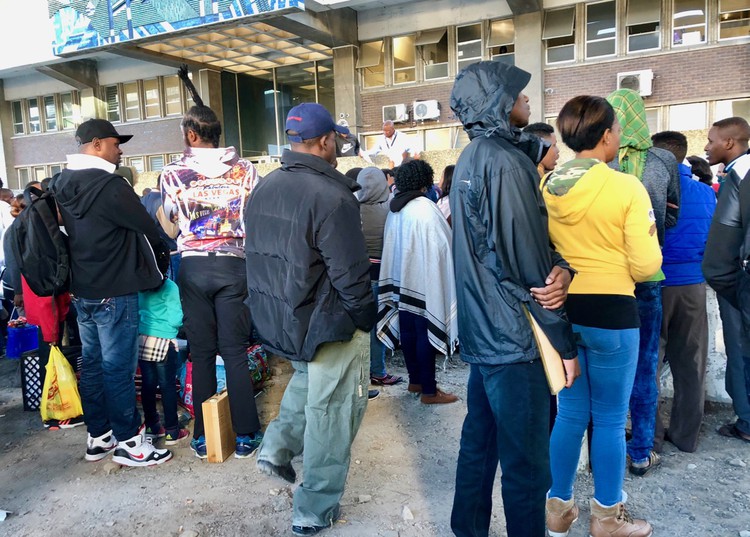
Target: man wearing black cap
[114, 246]
[311, 302]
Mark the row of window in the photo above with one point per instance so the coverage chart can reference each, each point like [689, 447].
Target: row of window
[48, 113]
[153, 98]
[687, 22]
[435, 54]
[441, 53]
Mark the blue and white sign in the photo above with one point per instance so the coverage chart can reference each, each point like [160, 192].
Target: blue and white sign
[86, 24]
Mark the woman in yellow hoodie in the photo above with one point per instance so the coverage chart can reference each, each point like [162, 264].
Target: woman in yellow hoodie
[602, 223]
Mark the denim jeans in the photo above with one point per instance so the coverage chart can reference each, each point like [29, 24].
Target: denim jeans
[321, 411]
[109, 338]
[608, 360]
[507, 421]
[645, 396]
[161, 375]
[419, 354]
[737, 378]
[377, 349]
[212, 291]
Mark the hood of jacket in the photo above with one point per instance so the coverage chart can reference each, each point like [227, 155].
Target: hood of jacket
[210, 161]
[374, 186]
[573, 189]
[77, 190]
[482, 98]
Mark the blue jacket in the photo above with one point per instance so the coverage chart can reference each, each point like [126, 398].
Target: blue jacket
[685, 243]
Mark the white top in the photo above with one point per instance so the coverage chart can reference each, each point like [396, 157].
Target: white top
[393, 147]
[81, 161]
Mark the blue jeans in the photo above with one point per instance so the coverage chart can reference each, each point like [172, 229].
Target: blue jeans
[507, 422]
[109, 337]
[160, 375]
[737, 378]
[608, 360]
[645, 397]
[377, 349]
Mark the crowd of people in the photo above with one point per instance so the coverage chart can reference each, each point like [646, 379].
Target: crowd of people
[609, 253]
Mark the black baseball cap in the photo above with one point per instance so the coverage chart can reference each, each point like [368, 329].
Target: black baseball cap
[98, 128]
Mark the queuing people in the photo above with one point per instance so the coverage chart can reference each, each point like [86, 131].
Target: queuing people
[503, 262]
[419, 312]
[112, 257]
[311, 302]
[547, 133]
[373, 207]
[205, 192]
[602, 222]
[657, 170]
[725, 262]
[445, 188]
[684, 329]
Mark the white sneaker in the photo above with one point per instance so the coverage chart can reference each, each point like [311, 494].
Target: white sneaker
[100, 446]
[137, 452]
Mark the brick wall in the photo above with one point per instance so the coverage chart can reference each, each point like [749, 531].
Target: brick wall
[149, 138]
[695, 75]
[374, 101]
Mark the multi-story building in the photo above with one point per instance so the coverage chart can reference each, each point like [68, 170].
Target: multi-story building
[366, 60]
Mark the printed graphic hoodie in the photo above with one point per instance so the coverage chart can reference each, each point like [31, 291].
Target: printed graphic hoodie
[207, 190]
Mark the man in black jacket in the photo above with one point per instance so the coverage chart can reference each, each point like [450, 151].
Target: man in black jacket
[310, 300]
[503, 265]
[726, 262]
[112, 256]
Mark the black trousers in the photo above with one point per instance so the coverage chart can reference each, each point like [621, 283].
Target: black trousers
[216, 321]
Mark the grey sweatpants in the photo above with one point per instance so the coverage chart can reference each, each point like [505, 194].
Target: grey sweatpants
[321, 411]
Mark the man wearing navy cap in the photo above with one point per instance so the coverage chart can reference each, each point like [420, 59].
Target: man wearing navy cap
[310, 300]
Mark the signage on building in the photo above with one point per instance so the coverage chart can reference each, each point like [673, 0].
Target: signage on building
[81, 25]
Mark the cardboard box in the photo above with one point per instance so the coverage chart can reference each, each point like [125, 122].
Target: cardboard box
[217, 421]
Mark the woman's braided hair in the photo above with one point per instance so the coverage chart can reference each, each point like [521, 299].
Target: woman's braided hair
[200, 118]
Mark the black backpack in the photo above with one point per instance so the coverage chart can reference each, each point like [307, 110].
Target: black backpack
[39, 247]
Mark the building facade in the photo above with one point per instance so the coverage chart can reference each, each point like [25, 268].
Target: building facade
[365, 60]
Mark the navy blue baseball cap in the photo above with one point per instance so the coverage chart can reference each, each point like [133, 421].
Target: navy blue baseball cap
[310, 120]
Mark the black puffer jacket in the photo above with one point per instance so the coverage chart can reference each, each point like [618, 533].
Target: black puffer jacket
[501, 246]
[307, 266]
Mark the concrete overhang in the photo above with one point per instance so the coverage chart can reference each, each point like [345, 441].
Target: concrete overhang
[80, 74]
[519, 7]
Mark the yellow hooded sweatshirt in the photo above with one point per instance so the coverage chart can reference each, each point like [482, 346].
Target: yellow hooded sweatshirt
[602, 223]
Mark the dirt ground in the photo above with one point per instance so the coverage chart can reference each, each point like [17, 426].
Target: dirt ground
[404, 455]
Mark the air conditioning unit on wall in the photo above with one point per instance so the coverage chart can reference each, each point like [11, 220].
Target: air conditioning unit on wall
[426, 110]
[395, 112]
[640, 81]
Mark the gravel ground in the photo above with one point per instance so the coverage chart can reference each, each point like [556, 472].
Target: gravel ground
[403, 466]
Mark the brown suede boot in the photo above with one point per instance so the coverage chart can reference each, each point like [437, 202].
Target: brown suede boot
[615, 521]
[561, 515]
[440, 398]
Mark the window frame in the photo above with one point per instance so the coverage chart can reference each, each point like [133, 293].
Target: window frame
[640, 21]
[54, 118]
[613, 38]
[363, 65]
[492, 44]
[472, 59]
[674, 27]
[426, 39]
[560, 36]
[22, 122]
[29, 121]
[144, 98]
[412, 68]
[728, 11]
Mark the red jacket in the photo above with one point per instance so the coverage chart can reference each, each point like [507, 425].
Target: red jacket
[39, 311]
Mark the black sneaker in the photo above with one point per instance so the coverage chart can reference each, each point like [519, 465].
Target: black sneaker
[286, 473]
[69, 424]
[137, 452]
[308, 530]
[643, 468]
[100, 446]
[371, 394]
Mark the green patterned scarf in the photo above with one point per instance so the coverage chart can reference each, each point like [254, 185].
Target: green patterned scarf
[635, 138]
